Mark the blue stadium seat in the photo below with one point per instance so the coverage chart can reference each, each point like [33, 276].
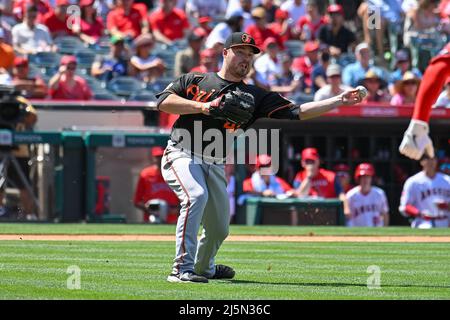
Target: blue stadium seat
[68, 44]
[295, 48]
[104, 95]
[124, 86]
[45, 59]
[143, 95]
[159, 85]
[85, 58]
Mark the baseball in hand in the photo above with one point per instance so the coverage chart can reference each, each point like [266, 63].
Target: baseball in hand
[362, 91]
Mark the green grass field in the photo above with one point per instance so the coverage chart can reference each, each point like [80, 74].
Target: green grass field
[281, 270]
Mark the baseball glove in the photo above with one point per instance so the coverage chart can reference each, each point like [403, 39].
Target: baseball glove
[235, 106]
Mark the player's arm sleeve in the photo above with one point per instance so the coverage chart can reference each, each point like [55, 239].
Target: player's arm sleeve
[275, 106]
[407, 200]
[284, 185]
[178, 87]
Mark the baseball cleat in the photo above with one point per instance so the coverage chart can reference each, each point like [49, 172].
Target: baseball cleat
[223, 272]
[186, 277]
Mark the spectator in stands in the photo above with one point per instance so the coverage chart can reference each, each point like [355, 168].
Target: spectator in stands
[444, 98]
[6, 54]
[314, 181]
[144, 65]
[204, 24]
[304, 64]
[268, 65]
[270, 9]
[259, 30]
[6, 27]
[126, 20]
[66, 85]
[188, 58]
[354, 72]
[319, 72]
[241, 8]
[367, 204]
[335, 34]
[281, 25]
[57, 21]
[103, 7]
[199, 8]
[402, 65]
[376, 87]
[287, 83]
[343, 174]
[406, 90]
[296, 9]
[115, 64]
[21, 7]
[208, 62]
[391, 16]
[334, 86]
[91, 26]
[29, 37]
[265, 185]
[222, 31]
[308, 26]
[151, 186]
[168, 23]
[31, 87]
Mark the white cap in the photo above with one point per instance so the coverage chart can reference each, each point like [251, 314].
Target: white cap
[361, 46]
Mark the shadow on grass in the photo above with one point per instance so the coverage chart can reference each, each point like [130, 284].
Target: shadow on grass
[334, 284]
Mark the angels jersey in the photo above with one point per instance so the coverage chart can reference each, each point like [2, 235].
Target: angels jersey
[425, 194]
[366, 210]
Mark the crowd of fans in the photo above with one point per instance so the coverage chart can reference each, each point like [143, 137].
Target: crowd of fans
[311, 49]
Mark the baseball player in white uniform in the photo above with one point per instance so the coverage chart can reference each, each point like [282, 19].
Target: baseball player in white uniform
[426, 197]
[367, 204]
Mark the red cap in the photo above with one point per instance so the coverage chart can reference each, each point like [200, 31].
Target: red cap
[341, 167]
[157, 151]
[204, 19]
[208, 53]
[263, 160]
[311, 46]
[364, 169]
[268, 41]
[65, 60]
[335, 8]
[448, 81]
[20, 61]
[62, 2]
[85, 3]
[310, 154]
[281, 14]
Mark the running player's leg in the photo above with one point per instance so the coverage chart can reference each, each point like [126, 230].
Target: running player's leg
[187, 180]
[216, 219]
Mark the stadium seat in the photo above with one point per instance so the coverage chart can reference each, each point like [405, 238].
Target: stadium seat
[69, 45]
[85, 58]
[45, 59]
[104, 95]
[295, 48]
[159, 85]
[93, 82]
[143, 95]
[125, 86]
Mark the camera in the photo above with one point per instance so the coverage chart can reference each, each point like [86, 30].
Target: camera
[12, 107]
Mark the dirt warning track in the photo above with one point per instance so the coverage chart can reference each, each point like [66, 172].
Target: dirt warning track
[231, 238]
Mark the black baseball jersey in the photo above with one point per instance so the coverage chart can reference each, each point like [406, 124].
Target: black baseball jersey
[206, 87]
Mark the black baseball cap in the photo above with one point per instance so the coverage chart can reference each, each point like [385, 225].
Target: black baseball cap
[241, 39]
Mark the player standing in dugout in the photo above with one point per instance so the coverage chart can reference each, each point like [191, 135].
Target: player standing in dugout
[220, 101]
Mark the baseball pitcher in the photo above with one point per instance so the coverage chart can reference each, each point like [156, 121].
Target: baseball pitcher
[209, 105]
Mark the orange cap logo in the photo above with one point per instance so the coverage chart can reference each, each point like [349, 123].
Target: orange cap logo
[246, 38]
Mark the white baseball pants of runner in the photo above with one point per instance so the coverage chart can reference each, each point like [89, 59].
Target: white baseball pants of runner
[202, 190]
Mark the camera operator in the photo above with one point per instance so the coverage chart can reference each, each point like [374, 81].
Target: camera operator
[25, 122]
